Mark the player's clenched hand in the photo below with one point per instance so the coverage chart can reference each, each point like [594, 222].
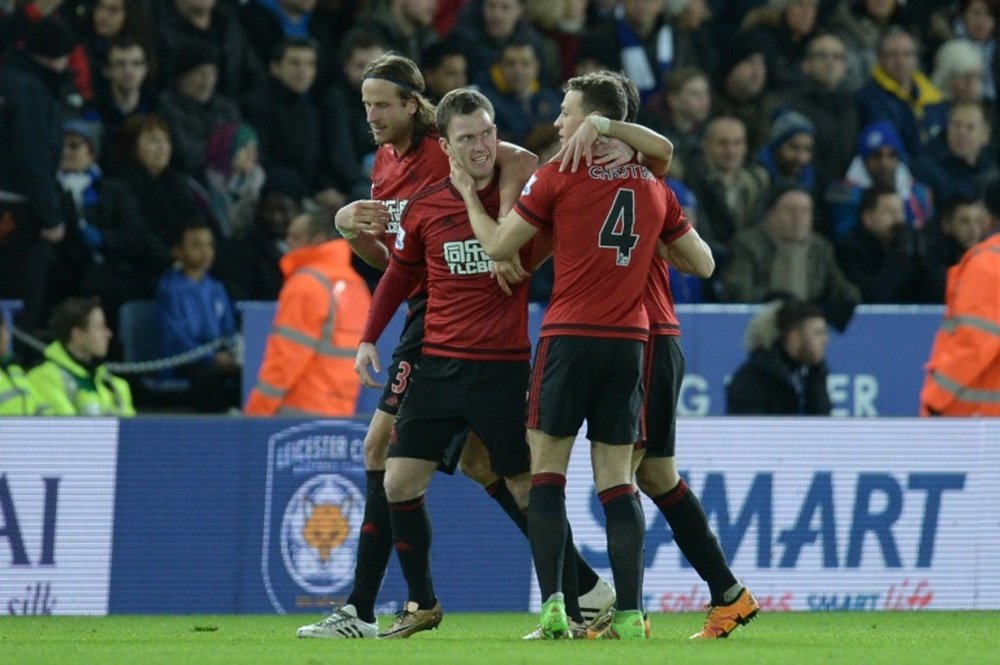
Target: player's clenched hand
[460, 178]
[509, 272]
[612, 152]
[581, 144]
[367, 356]
[367, 215]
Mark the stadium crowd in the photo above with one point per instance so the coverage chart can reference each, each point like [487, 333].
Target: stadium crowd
[836, 152]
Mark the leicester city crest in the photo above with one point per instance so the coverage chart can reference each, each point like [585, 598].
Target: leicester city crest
[314, 507]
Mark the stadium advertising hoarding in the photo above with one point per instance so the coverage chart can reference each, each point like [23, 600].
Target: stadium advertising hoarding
[821, 514]
[868, 377]
[57, 491]
[260, 516]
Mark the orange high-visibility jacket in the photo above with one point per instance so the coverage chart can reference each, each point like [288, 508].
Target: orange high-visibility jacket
[308, 367]
[963, 374]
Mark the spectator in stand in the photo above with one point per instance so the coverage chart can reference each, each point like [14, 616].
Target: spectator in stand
[127, 93]
[166, 197]
[269, 22]
[680, 112]
[786, 372]
[562, 22]
[348, 135]
[881, 162]
[106, 241]
[639, 41]
[248, 265]
[963, 373]
[290, 121]
[975, 21]
[788, 155]
[525, 108]
[110, 21]
[406, 26]
[782, 257]
[823, 97]
[73, 379]
[30, 146]
[898, 92]
[963, 223]
[730, 192]
[308, 366]
[234, 177]
[884, 256]
[742, 90]
[193, 309]
[958, 71]
[786, 26]
[17, 395]
[690, 19]
[184, 22]
[444, 67]
[959, 164]
[486, 25]
[860, 23]
[193, 107]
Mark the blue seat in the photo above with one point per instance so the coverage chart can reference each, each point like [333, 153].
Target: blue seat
[139, 334]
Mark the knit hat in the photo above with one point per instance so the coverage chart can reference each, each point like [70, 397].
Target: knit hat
[877, 135]
[195, 53]
[88, 131]
[227, 140]
[50, 38]
[788, 124]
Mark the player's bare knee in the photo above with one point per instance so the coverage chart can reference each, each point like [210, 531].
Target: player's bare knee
[519, 487]
[475, 464]
[612, 465]
[377, 440]
[657, 476]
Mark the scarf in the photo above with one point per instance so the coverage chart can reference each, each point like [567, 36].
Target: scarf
[927, 93]
[633, 55]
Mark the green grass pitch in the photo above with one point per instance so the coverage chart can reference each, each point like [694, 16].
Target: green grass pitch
[965, 638]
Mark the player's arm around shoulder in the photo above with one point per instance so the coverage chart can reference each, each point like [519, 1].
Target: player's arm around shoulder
[363, 224]
[501, 239]
[516, 166]
[689, 254]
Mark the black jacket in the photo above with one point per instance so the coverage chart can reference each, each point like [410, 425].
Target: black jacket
[31, 138]
[764, 385]
[291, 134]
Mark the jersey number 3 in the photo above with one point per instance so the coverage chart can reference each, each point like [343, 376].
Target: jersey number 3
[616, 232]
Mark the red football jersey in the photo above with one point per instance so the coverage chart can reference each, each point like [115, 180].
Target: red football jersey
[659, 301]
[398, 178]
[605, 223]
[468, 316]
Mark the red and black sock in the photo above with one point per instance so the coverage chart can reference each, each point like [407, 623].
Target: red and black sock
[547, 529]
[694, 537]
[411, 535]
[577, 573]
[626, 531]
[374, 548]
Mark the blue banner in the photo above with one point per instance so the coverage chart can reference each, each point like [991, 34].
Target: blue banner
[876, 366]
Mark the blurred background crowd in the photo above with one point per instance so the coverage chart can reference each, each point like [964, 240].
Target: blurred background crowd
[834, 152]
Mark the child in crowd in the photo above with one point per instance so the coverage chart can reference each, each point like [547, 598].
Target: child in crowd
[194, 309]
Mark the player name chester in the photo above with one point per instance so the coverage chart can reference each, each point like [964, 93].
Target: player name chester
[623, 172]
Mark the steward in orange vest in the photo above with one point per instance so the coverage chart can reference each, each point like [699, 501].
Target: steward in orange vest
[963, 373]
[308, 367]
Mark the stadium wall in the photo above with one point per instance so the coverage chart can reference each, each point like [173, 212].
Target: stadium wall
[199, 515]
[876, 367]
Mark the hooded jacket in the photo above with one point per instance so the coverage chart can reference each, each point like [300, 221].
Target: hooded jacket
[308, 367]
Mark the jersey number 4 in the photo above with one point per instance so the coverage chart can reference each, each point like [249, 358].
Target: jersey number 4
[616, 232]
